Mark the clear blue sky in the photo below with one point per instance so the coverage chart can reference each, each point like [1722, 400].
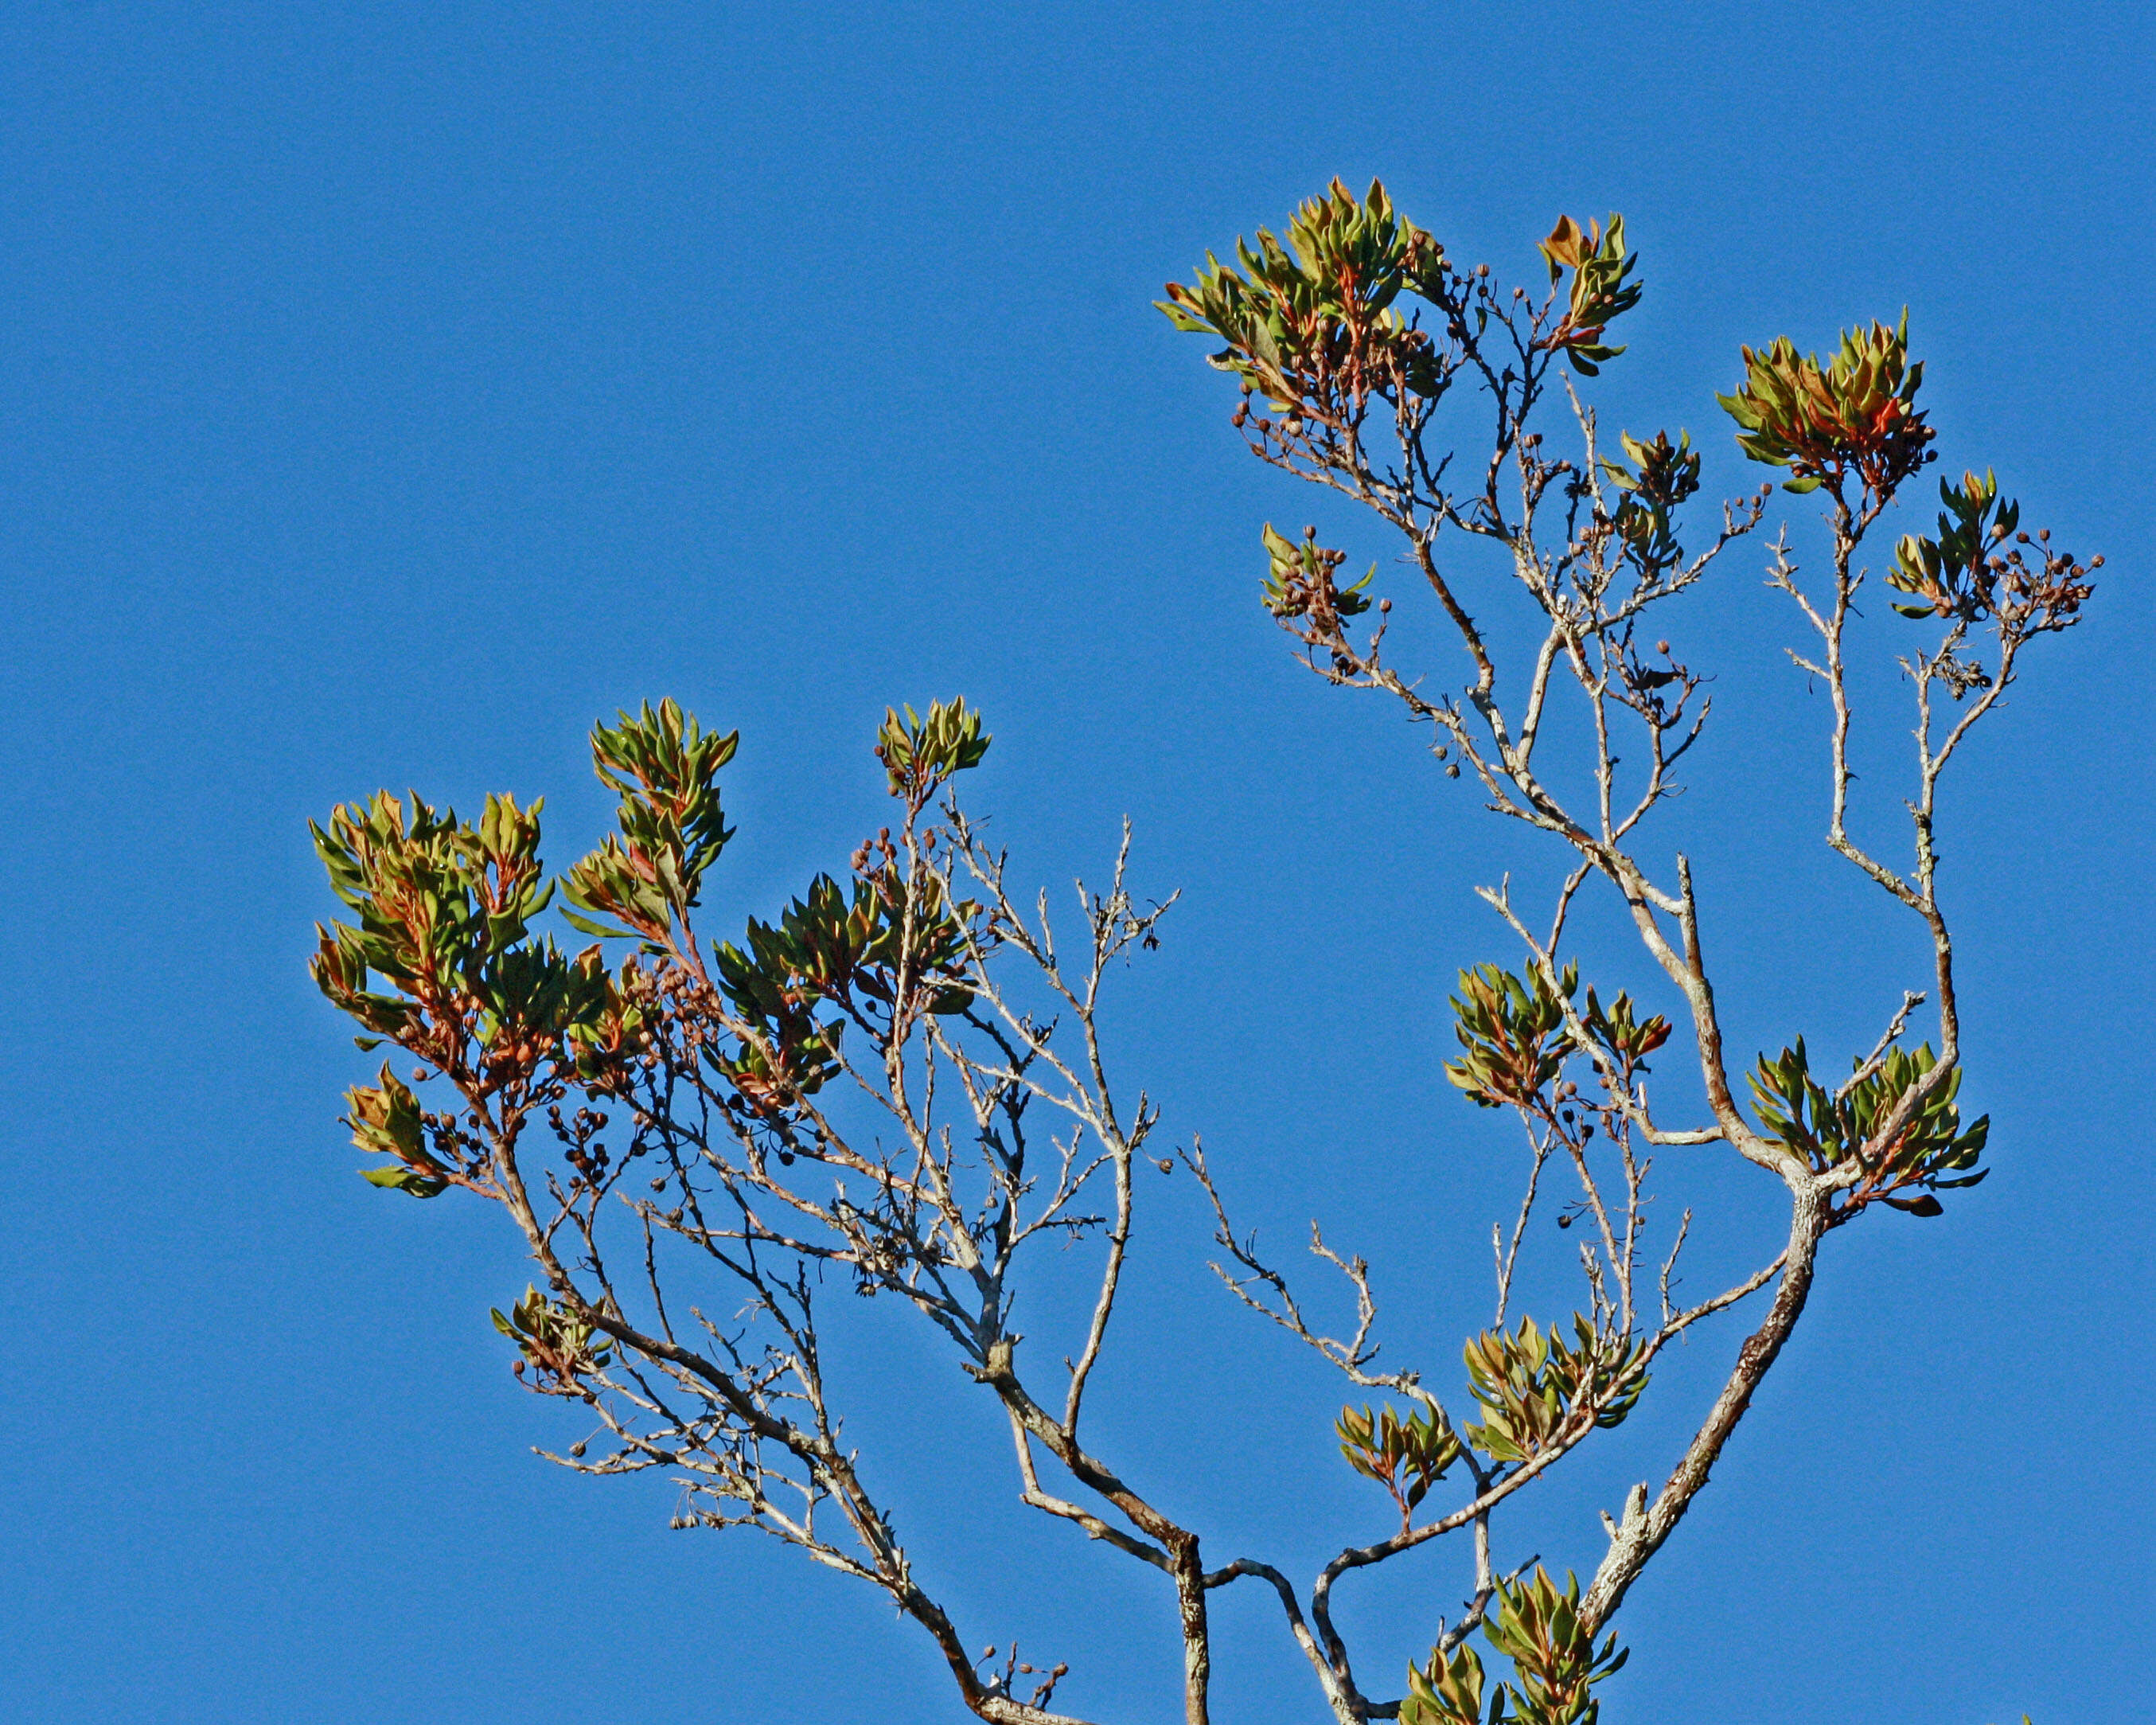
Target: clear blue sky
[387, 391]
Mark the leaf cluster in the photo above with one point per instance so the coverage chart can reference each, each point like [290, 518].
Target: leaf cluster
[1513, 1032]
[1448, 1691]
[1970, 573]
[386, 1120]
[891, 944]
[1662, 475]
[1954, 573]
[1620, 1028]
[1933, 1153]
[1311, 323]
[1854, 413]
[1533, 1387]
[1537, 1626]
[1300, 582]
[1406, 1457]
[436, 899]
[921, 754]
[646, 879]
[881, 947]
[1602, 289]
[559, 1345]
[443, 909]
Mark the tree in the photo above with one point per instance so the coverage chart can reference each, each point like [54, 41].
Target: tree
[899, 1086]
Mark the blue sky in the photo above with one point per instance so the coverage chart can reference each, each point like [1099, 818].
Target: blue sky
[388, 391]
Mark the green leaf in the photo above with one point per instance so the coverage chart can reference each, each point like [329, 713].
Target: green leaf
[405, 1179]
[586, 925]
